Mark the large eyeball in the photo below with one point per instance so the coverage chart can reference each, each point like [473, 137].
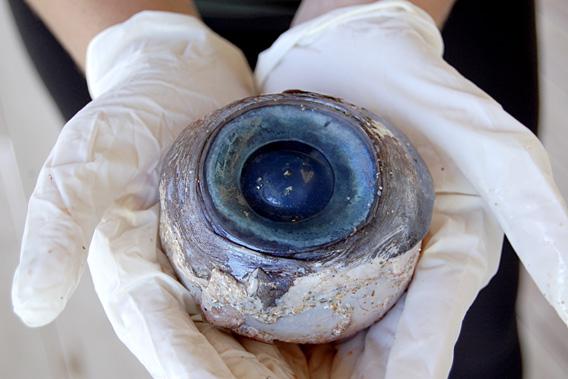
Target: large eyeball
[294, 216]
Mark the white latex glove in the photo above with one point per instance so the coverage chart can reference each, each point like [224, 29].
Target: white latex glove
[490, 173]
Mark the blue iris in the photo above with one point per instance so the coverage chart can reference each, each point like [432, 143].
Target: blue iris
[287, 181]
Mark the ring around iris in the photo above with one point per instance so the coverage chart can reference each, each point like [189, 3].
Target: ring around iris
[287, 178]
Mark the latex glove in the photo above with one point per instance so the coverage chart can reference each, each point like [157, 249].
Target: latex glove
[489, 173]
[149, 77]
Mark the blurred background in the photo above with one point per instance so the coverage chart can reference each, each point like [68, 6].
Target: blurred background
[81, 343]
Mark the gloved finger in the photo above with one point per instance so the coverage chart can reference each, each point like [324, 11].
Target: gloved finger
[101, 155]
[397, 71]
[148, 309]
[378, 340]
[320, 360]
[143, 76]
[242, 362]
[295, 357]
[56, 233]
[347, 356]
[271, 357]
[461, 254]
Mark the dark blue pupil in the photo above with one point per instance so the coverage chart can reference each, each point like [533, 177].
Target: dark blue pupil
[287, 181]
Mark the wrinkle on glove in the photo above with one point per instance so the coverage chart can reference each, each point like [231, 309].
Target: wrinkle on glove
[490, 172]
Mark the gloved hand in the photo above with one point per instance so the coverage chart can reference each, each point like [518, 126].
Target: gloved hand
[490, 174]
[100, 181]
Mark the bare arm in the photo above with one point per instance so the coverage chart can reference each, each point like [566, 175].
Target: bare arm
[76, 22]
[437, 9]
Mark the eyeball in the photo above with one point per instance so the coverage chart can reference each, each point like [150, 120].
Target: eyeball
[295, 217]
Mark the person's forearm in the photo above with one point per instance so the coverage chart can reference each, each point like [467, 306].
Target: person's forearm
[75, 23]
[437, 9]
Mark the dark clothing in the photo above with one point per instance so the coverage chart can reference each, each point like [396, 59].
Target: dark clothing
[492, 43]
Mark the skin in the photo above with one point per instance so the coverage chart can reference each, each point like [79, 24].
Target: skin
[75, 23]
